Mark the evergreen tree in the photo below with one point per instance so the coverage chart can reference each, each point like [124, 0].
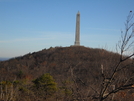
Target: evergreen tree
[45, 85]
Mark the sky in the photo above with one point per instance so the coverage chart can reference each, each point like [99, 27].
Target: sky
[28, 26]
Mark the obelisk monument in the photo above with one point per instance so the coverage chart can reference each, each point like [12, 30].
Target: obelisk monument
[77, 33]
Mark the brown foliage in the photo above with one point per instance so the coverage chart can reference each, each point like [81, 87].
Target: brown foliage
[61, 61]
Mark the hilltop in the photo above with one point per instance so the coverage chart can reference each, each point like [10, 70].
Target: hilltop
[58, 59]
[75, 67]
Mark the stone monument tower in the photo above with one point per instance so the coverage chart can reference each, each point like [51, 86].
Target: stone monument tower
[77, 33]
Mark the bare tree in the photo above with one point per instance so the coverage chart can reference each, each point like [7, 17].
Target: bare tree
[125, 45]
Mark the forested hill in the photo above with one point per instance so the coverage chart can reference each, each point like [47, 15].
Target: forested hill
[75, 68]
[58, 60]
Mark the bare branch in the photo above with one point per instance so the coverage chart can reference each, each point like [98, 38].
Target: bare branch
[130, 86]
[124, 45]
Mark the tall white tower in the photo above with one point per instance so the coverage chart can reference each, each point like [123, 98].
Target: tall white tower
[77, 33]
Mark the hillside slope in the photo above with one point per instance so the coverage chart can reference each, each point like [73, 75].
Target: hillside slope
[58, 61]
[79, 66]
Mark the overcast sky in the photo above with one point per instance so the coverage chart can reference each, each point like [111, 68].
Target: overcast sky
[32, 25]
